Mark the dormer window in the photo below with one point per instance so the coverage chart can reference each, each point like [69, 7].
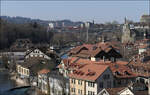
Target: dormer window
[118, 73]
[127, 73]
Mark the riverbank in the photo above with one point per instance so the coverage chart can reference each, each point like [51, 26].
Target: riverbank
[19, 81]
[5, 82]
[9, 80]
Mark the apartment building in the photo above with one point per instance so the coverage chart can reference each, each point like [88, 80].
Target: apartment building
[89, 79]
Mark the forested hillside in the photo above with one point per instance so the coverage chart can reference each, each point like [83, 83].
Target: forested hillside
[9, 32]
[23, 20]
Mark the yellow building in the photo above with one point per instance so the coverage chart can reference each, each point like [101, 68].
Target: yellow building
[77, 86]
[22, 70]
[90, 79]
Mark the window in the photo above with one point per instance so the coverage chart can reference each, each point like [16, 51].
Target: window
[22, 70]
[73, 90]
[73, 81]
[79, 91]
[27, 72]
[101, 84]
[19, 69]
[119, 82]
[91, 84]
[80, 82]
[106, 76]
[108, 84]
[91, 93]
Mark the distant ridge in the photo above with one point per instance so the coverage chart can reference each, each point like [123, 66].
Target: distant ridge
[23, 20]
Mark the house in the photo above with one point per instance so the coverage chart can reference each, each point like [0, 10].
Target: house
[90, 79]
[36, 53]
[95, 52]
[116, 91]
[145, 18]
[128, 50]
[122, 75]
[52, 82]
[121, 72]
[43, 80]
[58, 84]
[135, 88]
[140, 64]
[17, 50]
[141, 25]
[29, 69]
[71, 63]
[143, 45]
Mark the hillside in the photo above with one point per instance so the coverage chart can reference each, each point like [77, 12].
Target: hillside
[23, 20]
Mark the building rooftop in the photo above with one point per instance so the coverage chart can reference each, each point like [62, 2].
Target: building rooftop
[88, 72]
[119, 68]
[44, 71]
[91, 50]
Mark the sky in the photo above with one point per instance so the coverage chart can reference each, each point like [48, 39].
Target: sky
[99, 11]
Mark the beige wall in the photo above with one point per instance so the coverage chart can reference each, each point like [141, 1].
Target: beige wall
[77, 87]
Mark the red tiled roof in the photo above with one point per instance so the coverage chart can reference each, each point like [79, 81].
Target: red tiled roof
[119, 66]
[121, 71]
[92, 49]
[114, 91]
[44, 71]
[89, 72]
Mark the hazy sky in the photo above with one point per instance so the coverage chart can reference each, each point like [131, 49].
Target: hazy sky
[100, 11]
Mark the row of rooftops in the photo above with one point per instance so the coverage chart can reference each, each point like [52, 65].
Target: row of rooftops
[90, 70]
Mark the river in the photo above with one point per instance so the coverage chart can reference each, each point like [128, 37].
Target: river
[5, 81]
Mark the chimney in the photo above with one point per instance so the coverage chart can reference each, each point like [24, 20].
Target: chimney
[103, 58]
[148, 86]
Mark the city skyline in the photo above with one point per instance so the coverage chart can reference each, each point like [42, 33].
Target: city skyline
[99, 11]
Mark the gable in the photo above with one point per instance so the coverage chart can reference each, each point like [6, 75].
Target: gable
[101, 54]
[83, 48]
[125, 91]
[103, 92]
[114, 53]
[37, 53]
[103, 75]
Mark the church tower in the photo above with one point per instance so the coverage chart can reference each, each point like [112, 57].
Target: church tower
[127, 35]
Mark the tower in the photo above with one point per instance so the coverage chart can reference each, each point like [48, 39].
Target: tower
[127, 34]
[87, 25]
